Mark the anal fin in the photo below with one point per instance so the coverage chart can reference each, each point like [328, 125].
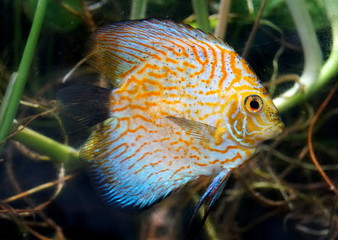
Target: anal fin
[210, 196]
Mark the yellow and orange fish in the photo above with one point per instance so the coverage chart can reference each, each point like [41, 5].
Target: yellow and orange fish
[184, 105]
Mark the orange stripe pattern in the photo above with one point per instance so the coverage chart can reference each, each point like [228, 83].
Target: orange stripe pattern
[162, 69]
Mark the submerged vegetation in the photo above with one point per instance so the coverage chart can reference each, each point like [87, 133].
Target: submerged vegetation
[288, 190]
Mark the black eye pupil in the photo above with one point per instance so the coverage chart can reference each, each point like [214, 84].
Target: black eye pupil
[254, 104]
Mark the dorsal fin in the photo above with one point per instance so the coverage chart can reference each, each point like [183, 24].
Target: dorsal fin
[121, 47]
[82, 106]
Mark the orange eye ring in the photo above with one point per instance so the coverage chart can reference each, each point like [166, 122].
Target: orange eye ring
[253, 103]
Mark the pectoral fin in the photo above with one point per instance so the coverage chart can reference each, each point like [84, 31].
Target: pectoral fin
[199, 130]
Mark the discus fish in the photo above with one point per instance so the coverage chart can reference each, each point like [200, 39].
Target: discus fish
[184, 105]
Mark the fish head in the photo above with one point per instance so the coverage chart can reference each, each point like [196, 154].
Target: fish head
[253, 117]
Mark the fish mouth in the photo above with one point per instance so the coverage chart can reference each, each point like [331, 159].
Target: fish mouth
[270, 132]
[276, 130]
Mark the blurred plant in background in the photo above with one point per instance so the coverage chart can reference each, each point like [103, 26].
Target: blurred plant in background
[286, 191]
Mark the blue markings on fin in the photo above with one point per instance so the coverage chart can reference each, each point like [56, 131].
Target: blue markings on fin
[214, 190]
[210, 196]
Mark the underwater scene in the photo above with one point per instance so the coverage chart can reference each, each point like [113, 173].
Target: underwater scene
[168, 119]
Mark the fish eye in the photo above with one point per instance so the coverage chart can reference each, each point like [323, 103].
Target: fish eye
[253, 103]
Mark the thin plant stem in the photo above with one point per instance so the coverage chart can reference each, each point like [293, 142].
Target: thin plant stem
[138, 9]
[310, 141]
[36, 189]
[202, 16]
[17, 83]
[254, 29]
[84, 16]
[223, 15]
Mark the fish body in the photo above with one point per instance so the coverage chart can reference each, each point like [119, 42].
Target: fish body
[185, 105]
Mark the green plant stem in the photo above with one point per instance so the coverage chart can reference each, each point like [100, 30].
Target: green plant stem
[58, 152]
[327, 71]
[202, 15]
[138, 9]
[312, 54]
[17, 83]
[330, 67]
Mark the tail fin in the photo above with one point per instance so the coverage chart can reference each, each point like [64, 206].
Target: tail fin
[82, 106]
